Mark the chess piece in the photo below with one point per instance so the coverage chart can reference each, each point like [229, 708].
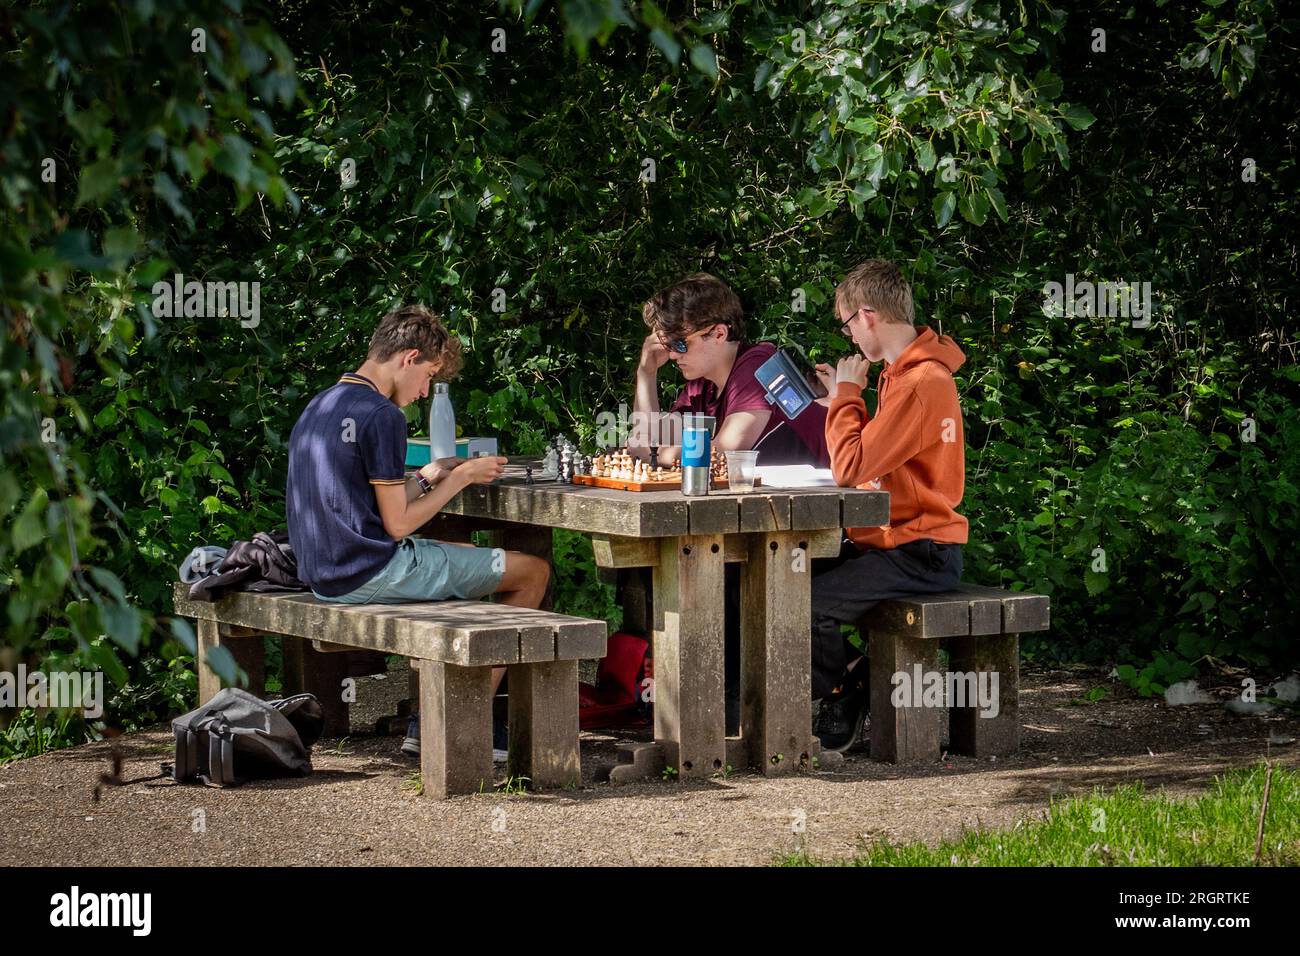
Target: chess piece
[654, 456]
[528, 474]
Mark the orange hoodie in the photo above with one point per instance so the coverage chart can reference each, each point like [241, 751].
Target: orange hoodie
[914, 448]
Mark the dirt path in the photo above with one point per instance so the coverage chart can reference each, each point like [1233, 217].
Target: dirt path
[359, 807]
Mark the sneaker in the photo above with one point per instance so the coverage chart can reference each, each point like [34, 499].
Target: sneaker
[411, 745]
[500, 741]
[840, 720]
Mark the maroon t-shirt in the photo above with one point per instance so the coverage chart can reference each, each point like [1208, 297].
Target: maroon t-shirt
[800, 441]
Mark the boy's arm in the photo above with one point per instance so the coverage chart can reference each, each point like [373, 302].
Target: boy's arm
[646, 395]
[645, 398]
[646, 418]
[864, 448]
[402, 516]
[434, 473]
[741, 429]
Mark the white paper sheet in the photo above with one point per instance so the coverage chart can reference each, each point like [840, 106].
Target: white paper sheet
[794, 476]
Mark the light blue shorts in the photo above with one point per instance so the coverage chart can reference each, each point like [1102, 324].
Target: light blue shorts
[422, 569]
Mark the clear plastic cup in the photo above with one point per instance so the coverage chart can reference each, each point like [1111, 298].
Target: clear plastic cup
[741, 466]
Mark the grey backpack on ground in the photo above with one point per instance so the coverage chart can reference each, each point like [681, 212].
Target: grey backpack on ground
[236, 737]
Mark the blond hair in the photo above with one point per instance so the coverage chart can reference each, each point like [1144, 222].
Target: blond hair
[877, 284]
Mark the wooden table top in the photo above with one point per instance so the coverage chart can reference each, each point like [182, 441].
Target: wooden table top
[657, 514]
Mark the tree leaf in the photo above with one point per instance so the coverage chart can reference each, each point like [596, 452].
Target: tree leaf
[672, 50]
[925, 155]
[29, 528]
[1077, 115]
[221, 663]
[974, 207]
[97, 182]
[704, 60]
[945, 203]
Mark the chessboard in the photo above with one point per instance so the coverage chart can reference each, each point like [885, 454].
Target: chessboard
[622, 472]
[670, 481]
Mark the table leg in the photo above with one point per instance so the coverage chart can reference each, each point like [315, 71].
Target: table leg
[776, 653]
[690, 721]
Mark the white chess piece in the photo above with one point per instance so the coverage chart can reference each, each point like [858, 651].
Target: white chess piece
[550, 464]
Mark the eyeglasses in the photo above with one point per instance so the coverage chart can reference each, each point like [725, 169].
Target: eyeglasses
[679, 345]
[844, 323]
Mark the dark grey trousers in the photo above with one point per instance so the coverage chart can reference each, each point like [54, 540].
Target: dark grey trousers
[846, 587]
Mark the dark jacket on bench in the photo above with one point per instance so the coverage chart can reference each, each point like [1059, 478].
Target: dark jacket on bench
[264, 564]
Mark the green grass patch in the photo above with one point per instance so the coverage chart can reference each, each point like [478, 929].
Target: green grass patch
[1127, 827]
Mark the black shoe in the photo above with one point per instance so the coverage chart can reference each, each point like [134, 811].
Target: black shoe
[840, 719]
[411, 745]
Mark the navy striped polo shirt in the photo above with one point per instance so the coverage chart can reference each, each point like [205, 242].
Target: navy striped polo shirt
[348, 438]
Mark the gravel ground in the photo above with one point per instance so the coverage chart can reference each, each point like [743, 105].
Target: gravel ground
[360, 806]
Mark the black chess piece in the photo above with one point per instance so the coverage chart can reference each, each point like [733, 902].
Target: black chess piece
[654, 457]
[528, 474]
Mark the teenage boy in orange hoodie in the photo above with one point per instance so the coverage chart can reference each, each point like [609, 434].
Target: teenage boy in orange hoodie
[914, 448]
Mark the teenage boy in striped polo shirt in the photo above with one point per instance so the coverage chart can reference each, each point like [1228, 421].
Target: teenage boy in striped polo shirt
[352, 510]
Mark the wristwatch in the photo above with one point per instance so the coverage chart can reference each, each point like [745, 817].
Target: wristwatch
[425, 486]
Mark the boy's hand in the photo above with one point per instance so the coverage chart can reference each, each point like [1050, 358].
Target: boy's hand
[825, 375]
[653, 353]
[435, 471]
[481, 470]
[852, 368]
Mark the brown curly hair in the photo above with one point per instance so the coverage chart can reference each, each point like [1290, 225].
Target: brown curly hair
[417, 327]
[693, 303]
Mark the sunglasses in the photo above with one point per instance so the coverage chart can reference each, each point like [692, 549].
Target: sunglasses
[679, 345]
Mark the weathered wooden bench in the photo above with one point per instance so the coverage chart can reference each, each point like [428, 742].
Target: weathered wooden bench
[453, 646]
[981, 629]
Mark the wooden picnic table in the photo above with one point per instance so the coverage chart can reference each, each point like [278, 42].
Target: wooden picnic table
[775, 534]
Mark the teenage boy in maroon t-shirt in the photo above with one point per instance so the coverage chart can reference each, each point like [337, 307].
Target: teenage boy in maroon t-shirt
[697, 323]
